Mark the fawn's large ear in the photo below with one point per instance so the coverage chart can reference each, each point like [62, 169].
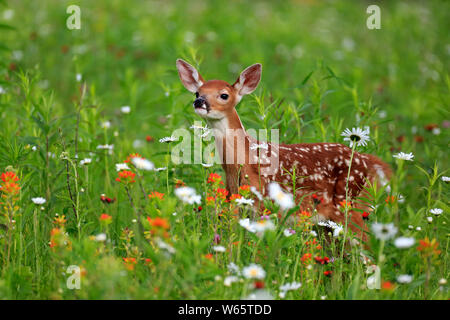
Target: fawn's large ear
[248, 80]
[189, 76]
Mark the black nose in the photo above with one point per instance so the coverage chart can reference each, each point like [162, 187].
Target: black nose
[199, 102]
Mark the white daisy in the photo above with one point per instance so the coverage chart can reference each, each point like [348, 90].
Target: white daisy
[404, 242]
[246, 224]
[233, 268]
[262, 226]
[137, 144]
[253, 271]
[284, 200]
[288, 232]
[436, 211]
[384, 231]
[142, 164]
[404, 156]
[205, 130]
[207, 165]
[122, 166]
[445, 179]
[188, 195]
[404, 278]
[78, 77]
[38, 200]
[357, 135]
[106, 124]
[168, 139]
[161, 169]
[243, 201]
[290, 286]
[430, 219]
[256, 193]
[219, 249]
[100, 237]
[109, 147]
[165, 246]
[125, 109]
[337, 228]
[229, 280]
[260, 294]
[85, 161]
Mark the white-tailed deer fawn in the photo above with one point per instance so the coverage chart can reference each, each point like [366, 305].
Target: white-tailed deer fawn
[321, 168]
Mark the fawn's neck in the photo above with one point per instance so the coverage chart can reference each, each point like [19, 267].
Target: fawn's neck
[232, 143]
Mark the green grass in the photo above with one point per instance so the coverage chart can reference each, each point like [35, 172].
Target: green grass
[323, 71]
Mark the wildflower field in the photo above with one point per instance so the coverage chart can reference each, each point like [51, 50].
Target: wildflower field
[95, 206]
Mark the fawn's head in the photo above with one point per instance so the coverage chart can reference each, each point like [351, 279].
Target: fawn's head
[215, 99]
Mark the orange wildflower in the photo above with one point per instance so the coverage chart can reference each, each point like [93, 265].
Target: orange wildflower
[345, 204]
[209, 256]
[222, 193]
[106, 218]
[306, 257]
[179, 183]
[126, 176]
[215, 178]
[9, 176]
[159, 223]
[156, 194]
[390, 199]
[235, 196]
[133, 155]
[428, 248]
[130, 263]
[387, 286]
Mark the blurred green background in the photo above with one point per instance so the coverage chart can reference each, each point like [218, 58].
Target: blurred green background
[323, 71]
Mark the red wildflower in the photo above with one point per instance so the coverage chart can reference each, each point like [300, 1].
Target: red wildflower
[366, 215]
[328, 273]
[179, 183]
[390, 199]
[235, 196]
[130, 263]
[9, 176]
[258, 284]
[149, 139]
[316, 199]
[222, 193]
[106, 218]
[428, 248]
[156, 194]
[431, 126]
[345, 204]
[159, 223]
[387, 286]
[324, 260]
[10, 188]
[215, 178]
[105, 199]
[209, 256]
[126, 176]
[133, 155]
[306, 257]
[210, 201]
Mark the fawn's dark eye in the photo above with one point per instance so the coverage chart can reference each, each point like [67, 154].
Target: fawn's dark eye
[224, 96]
[196, 94]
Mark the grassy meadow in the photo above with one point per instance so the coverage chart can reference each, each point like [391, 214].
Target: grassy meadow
[75, 103]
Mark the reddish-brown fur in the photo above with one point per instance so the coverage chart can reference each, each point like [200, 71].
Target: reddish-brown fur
[321, 169]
